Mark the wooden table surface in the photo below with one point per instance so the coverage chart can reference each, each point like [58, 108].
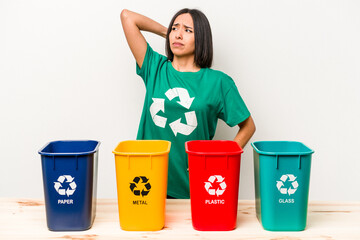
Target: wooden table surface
[25, 219]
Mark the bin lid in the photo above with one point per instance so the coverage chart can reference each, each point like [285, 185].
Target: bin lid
[213, 147]
[142, 148]
[69, 148]
[281, 148]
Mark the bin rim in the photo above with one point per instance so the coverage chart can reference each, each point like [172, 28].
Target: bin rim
[42, 153]
[143, 153]
[240, 151]
[310, 151]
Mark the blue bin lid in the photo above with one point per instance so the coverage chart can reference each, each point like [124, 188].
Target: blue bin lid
[281, 148]
[69, 148]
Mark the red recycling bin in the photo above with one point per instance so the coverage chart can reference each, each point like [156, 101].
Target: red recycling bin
[214, 171]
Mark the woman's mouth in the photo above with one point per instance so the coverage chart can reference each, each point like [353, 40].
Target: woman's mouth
[177, 44]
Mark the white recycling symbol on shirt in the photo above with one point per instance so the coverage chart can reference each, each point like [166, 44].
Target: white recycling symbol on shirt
[176, 126]
[62, 191]
[284, 178]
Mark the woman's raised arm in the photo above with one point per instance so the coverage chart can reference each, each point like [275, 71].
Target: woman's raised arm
[133, 23]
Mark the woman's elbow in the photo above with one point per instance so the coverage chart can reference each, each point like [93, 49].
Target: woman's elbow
[253, 126]
[249, 124]
[124, 14]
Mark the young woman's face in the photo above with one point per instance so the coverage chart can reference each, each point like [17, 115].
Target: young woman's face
[181, 37]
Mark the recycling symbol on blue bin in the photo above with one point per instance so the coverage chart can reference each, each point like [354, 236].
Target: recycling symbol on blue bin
[140, 187]
[70, 183]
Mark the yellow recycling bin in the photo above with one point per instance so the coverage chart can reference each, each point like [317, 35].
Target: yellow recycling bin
[141, 176]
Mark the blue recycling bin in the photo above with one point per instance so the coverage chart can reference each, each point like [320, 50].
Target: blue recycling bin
[69, 171]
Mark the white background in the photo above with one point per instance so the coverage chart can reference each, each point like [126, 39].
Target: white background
[67, 73]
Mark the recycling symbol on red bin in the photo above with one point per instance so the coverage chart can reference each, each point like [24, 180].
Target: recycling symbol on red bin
[69, 181]
[220, 182]
[140, 188]
[292, 187]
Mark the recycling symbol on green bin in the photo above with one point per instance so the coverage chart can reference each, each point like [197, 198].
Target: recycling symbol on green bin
[290, 181]
[140, 187]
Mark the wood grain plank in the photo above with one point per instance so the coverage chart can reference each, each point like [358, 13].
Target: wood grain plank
[25, 219]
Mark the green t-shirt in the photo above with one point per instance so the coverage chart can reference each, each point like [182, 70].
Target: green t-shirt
[185, 106]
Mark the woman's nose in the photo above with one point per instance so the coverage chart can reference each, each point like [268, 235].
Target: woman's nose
[178, 35]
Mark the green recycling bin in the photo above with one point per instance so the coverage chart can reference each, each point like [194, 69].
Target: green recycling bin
[282, 176]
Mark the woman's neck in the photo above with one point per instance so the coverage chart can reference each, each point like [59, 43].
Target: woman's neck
[185, 64]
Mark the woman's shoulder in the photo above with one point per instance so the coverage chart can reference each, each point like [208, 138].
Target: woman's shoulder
[219, 75]
[151, 51]
[220, 79]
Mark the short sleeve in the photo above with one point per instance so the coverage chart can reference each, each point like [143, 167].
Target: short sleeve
[150, 66]
[233, 110]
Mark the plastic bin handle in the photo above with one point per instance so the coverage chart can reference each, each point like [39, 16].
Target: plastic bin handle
[149, 157]
[226, 157]
[277, 162]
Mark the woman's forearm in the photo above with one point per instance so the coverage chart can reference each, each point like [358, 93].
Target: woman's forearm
[246, 131]
[143, 23]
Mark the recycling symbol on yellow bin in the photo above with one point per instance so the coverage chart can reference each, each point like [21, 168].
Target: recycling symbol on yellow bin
[176, 126]
[140, 188]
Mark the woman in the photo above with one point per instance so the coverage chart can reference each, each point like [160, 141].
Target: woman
[184, 97]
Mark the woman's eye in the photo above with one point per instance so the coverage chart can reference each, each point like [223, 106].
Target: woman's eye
[188, 30]
[173, 28]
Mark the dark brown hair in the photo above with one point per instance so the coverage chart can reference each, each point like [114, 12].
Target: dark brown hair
[203, 38]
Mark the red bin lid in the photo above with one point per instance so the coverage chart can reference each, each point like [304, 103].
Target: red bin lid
[213, 147]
